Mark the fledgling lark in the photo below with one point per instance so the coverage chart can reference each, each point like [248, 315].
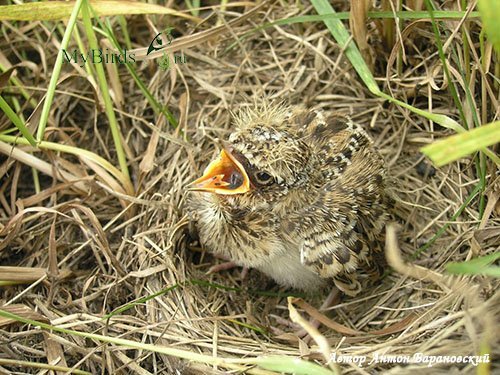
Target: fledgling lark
[296, 195]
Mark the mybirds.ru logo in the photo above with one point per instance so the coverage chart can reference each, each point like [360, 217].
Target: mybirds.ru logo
[98, 56]
[159, 42]
[101, 56]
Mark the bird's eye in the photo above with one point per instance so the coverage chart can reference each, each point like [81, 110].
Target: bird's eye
[263, 178]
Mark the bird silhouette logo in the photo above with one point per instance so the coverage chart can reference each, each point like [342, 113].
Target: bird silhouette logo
[161, 40]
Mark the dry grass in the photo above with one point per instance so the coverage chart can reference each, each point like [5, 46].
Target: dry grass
[103, 250]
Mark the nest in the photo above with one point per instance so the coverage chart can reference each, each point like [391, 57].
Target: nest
[99, 251]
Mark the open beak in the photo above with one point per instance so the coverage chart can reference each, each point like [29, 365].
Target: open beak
[225, 175]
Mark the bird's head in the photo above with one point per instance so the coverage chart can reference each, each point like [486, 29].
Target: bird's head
[265, 155]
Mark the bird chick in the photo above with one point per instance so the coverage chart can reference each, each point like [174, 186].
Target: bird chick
[296, 195]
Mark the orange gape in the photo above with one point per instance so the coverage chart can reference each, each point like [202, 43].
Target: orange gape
[224, 175]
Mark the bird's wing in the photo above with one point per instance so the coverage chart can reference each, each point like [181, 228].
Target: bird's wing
[339, 230]
[329, 234]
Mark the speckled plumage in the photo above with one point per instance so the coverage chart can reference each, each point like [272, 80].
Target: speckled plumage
[316, 207]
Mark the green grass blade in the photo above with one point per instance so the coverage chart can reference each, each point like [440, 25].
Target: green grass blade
[403, 15]
[4, 106]
[418, 15]
[122, 21]
[57, 71]
[341, 35]
[461, 62]
[444, 62]
[477, 266]
[157, 107]
[81, 47]
[248, 326]
[17, 83]
[459, 145]
[490, 15]
[202, 283]
[442, 120]
[118, 341]
[44, 366]
[103, 84]
[343, 38]
[58, 10]
[283, 364]
[193, 6]
[115, 172]
[441, 230]
[139, 301]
